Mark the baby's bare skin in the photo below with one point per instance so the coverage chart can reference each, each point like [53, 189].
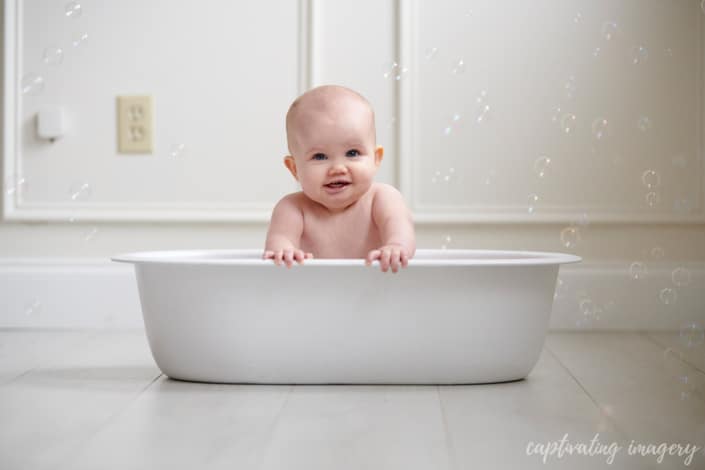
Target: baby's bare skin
[340, 212]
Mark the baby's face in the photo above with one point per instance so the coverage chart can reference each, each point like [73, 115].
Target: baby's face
[333, 152]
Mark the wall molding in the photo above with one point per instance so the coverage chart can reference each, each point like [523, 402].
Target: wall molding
[97, 293]
[408, 53]
[15, 209]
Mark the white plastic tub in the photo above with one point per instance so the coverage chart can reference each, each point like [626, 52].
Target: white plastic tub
[451, 316]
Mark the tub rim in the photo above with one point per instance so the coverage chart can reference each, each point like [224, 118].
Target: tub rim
[251, 257]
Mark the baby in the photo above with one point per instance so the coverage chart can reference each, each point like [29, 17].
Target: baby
[340, 212]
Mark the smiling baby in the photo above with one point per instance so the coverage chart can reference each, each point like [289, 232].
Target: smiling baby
[340, 211]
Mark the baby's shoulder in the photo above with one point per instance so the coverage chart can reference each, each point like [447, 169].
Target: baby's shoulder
[292, 201]
[384, 190]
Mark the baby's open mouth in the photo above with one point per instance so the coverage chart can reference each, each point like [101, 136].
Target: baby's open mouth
[337, 184]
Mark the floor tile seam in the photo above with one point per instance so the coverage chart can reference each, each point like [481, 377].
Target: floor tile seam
[63, 351]
[623, 434]
[658, 343]
[448, 438]
[104, 425]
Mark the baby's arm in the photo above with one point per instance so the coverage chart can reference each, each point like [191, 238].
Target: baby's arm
[284, 234]
[396, 226]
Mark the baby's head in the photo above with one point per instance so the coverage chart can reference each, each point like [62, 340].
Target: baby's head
[332, 145]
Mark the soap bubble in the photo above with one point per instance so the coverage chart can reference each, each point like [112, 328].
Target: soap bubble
[78, 39]
[668, 296]
[644, 123]
[568, 122]
[639, 55]
[609, 30]
[177, 150]
[637, 270]
[570, 236]
[577, 18]
[459, 66]
[53, 55]
[33, 307]
[652, 198]
[569, 87]
[15, 185]
[483, 113]
[596, 52]
[73, 10]
[449, 129]
[430, 53]
[599, 128]
[541, 165]
[395, 71]
[674, 364]
[447, 239]
[651, 179]
[532, 200]
[32, 84]
[691, 335]
[436, 176]
[587, 306]
[559, 288]
[489, 177]
[90, 234]
[657, 252]
[79, 191]
[680, 277]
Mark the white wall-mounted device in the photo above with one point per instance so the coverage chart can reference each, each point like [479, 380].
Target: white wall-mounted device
[51, 122]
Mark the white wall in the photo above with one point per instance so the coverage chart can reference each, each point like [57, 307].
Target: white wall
[222, 76]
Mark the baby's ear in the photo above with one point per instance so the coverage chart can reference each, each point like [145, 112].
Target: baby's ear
[379, 154]
[290, 163]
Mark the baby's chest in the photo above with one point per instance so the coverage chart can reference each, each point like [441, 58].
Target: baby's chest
[350, 237]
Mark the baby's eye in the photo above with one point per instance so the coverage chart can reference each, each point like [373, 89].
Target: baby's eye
[352, 153]
[319, 156]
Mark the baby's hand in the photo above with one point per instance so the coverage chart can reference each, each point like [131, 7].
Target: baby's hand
[288, 256]
[389, 255]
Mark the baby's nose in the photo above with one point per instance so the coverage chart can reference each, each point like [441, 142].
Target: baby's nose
[338, 168]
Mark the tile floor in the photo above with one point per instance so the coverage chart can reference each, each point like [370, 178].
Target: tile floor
[96, 400]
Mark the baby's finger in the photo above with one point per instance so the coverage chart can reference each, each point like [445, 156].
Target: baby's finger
[371, 256]
[404, 259]
[278, 257]
[268, 255]
[384, 259]
[288, 258]
[395, 261]
[309, 255]
[299, 256]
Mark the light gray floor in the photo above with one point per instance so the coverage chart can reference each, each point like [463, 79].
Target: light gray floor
[96, 400]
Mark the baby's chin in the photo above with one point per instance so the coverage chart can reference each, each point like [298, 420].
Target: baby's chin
[333, 202]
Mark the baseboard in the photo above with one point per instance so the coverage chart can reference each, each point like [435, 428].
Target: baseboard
[96, 293]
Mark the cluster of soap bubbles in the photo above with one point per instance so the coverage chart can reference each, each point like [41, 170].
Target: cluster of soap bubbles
[446, 177]
[691, 339]
[602, 129]
[590, 310]
[680, 277]
[33, 83]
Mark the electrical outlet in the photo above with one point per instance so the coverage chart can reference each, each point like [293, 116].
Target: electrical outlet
[134, 124]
